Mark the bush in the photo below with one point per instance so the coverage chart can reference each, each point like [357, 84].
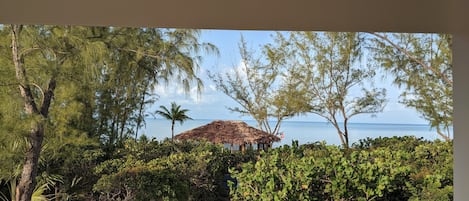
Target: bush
[380, 169]
[168, 170]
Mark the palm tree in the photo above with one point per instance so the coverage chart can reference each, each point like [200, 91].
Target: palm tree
[175, 114]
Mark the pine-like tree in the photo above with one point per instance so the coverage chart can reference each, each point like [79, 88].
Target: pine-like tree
[331, 65]
[262, 89]
[421, 65]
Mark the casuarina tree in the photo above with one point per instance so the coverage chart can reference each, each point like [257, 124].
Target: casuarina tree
[331, 69]
[422, 66]
[262, 89]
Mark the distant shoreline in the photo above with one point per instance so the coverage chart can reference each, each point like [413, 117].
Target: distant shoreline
[304, 131]
[314, 122]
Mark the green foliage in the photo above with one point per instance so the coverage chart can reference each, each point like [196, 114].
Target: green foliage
[406, 143]
[422, 66]
[305, 72]
[261, 88]
[329, 68]
[169, 170]
[46, 182]
[433, 189]
[320, 172]
[87, 85]
[41, 57]
[138, 60]
[105, 78]
[75, 163]
[174, 114]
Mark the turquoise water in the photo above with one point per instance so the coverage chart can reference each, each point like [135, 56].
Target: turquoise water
[304, 132]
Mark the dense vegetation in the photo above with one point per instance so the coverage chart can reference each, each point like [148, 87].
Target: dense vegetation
[74, 98]
[136, 170]
[399, 168]
[63, 84]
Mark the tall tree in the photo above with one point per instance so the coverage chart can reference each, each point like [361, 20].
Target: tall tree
[87, 81]
[261, 88]
[174, 114]
[422, 66]
[139, 60]
[40, 56]
[331, 64]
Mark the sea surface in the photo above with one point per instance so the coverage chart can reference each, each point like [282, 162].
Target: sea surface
[304, 132]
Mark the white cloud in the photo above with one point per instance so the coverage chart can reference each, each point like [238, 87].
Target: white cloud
[161, 91]
[240, 68]
[212, 87]
[175, 92]
[211, 104]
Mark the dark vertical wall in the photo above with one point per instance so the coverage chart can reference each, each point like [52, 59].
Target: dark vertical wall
[461, 113]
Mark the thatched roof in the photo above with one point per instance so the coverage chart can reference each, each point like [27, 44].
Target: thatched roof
[228, 132]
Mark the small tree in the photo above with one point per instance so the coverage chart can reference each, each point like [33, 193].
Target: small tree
[331, 66]
[261, 89]
[175, 114]
[422, 66]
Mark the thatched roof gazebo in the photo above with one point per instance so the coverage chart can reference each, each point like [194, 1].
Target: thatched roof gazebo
[231, 133]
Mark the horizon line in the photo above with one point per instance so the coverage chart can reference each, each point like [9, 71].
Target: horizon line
[300, 121]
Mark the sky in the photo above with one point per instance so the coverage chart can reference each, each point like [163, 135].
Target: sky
[212, 104]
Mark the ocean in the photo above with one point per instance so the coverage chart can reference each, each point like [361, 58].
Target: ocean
[303, 132]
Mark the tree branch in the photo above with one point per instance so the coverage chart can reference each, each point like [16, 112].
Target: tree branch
[29, 102]
[8, 84]
[444, 77]
[48, 95]
[27, 51]
[144, 53]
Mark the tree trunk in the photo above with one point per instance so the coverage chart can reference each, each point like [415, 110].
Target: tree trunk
[27, 183]
[172, 131]
[342, 139]
[339, 131]
[446, 137]
[141, 115]
[346, 133]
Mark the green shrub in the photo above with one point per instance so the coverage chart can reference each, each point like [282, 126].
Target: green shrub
[173, 170]
[379, 169]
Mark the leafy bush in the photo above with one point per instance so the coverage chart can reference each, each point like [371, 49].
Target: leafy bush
[397, 168]
[149, 170]
[378, 169]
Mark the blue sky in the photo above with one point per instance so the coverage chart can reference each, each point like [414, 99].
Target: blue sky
[212, 104]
